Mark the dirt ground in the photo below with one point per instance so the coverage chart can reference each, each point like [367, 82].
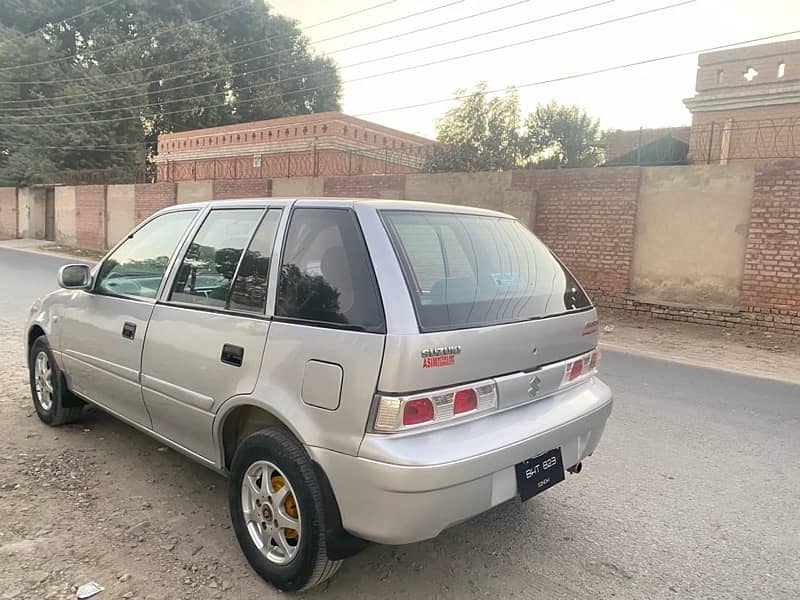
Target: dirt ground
[98, 501]
[752, 352]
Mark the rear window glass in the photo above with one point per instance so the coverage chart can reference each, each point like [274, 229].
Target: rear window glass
[474, 270]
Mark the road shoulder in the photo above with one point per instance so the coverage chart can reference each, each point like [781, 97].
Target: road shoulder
[748, 352]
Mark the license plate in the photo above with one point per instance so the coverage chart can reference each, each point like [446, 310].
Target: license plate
[535, 475]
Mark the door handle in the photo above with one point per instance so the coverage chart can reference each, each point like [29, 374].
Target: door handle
[232, 355]
[129, 330]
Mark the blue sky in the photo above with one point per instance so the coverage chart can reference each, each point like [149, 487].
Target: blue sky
[649, 96]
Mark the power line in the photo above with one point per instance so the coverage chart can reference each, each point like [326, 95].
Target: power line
[245, 45]
[585, 73]
[366, 77]
[254, 58]
[270, 68]
[580, 74]
[144, 38]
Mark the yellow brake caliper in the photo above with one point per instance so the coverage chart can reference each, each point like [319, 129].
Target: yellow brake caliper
[289, 504]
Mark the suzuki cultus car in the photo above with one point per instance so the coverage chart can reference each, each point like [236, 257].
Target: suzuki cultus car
[361, 370]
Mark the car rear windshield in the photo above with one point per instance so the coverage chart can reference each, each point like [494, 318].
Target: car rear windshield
[473, 270]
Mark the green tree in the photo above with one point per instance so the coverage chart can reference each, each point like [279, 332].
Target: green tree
[561, 136]
[479, 134]
[119, 80]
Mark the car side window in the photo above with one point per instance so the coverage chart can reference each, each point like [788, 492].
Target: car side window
[249, 292]
[326, 275]
[208, 267]
[137, 267]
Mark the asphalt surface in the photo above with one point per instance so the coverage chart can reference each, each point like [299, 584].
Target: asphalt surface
[693, 493]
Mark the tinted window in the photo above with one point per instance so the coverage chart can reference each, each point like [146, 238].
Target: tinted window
[470, 270]
[208, 267]
[137, 267]
[250, 288]
[326, 275]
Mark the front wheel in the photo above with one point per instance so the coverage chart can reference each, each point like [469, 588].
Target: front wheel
[53, 402]
[277, 510]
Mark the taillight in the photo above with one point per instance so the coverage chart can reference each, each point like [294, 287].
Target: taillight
[465, 401]
[405, 412]
[580, 367]
[417, 411]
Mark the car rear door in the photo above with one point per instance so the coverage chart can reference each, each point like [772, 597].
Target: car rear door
[207, 334]
[103, 329]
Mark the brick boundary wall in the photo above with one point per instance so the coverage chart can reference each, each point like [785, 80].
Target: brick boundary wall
[152, 197]
[363, 186]
[777, 321]
[772, 257]
[9, 213]
[587, 217]
[90, 216]
[228, 189]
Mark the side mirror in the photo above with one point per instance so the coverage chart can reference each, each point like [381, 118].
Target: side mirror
[75, 277]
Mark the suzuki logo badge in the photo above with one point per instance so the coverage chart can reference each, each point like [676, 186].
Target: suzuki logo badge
[533, 386]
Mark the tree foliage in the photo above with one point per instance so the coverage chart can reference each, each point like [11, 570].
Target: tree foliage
[479, 134]
[562, 136]
[487, 134]
[119, 76]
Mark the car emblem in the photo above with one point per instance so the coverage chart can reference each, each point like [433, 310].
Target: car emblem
[444, 356]
[534, 385]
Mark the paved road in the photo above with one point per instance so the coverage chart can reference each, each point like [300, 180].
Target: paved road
[25, 276]
[694, 493]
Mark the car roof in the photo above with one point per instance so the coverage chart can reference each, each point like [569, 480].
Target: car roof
[373, 203]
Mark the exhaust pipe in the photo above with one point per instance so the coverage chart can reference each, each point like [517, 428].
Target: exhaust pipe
[576, 468]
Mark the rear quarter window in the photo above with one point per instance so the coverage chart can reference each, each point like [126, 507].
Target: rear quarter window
[475, 270]
[326, 275]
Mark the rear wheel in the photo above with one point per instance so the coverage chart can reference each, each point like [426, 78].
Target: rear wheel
[277, 510]
[54, 404]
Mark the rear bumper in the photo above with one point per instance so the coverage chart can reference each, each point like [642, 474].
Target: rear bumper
[403, 489]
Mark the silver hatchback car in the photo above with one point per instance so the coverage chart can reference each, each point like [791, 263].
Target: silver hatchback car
[361, 370]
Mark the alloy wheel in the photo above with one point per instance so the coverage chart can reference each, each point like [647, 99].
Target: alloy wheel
[43, 380]
[271, 512]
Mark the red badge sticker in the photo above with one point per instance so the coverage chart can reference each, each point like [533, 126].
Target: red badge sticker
[438, 361]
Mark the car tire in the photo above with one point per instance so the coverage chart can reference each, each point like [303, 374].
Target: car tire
[260, 464]
[53, 402]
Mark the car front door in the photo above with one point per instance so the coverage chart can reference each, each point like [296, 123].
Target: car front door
[206, 338]
[104, 328]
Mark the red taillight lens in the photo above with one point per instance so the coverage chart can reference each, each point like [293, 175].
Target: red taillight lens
[575, 370]
[465, 401]
[418, 411]
[593, 360]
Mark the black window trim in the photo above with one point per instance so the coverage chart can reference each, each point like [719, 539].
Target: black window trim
[409, 277]
[167, 272]
[241, 259]
[379, 330]
[226, 310]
